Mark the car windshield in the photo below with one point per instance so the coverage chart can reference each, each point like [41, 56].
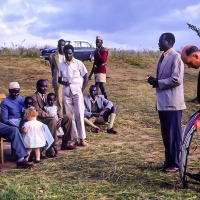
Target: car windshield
[68, 42]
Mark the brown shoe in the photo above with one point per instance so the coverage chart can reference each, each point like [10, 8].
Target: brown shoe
[83, 143]
[111, 131]
[68, 147]
[25, 164]
[50, 153]
[172, 169]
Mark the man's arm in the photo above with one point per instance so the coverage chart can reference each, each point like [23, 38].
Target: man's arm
[52, 63]
[103, 54]
[92, 71]
[4, 113]
[65, 83]
[85, 82]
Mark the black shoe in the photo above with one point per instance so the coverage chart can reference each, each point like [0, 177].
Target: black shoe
[37, 161]
[161, 167]
[111, 131]
[1, 169]
[194, 176]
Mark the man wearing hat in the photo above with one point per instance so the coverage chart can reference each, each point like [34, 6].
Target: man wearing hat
[11, 110]
[12, 105]
[99, 65]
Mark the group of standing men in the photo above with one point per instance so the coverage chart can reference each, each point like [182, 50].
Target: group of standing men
[168, 82]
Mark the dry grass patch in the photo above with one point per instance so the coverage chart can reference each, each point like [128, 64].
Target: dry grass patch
[118, 166]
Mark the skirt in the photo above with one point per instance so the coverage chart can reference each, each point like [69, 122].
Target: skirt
[100, 77]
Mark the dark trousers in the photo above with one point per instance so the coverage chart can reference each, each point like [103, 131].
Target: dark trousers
[171, 130]
[107, 113]
[102, 88]
[12, 134]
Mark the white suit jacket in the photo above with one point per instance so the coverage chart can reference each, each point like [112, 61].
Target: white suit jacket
[170, 91]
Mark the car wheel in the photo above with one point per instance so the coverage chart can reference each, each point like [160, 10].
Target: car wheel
[92, 58]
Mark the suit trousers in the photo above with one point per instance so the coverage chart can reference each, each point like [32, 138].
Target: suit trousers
[171, 130]
[13, 135]
[74, 108]
[52, 125]
[58, 92]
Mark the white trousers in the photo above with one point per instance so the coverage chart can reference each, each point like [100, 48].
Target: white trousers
[74, 108]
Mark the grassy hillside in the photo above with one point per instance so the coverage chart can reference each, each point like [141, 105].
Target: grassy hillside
[118, 166]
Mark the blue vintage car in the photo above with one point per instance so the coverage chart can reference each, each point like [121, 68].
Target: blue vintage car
[83, 50]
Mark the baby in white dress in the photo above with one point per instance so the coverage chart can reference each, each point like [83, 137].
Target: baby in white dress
[52, 110]
[34, 131]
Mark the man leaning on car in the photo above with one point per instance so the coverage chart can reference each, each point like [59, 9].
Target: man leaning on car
[55, 60]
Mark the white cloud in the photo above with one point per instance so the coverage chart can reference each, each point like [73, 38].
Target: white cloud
[192, 11]
[14, 1]
[189, 13]
[48, 9]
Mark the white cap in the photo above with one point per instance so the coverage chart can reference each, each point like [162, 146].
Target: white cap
[13, 85]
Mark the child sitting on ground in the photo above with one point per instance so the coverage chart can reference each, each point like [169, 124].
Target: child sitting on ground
[52, 110]
[34, 133]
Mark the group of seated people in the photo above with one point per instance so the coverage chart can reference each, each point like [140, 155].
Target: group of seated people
[33, 124]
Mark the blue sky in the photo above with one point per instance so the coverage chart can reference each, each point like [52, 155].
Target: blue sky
[124, 24]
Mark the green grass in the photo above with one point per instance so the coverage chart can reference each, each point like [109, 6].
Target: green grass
[118, 166]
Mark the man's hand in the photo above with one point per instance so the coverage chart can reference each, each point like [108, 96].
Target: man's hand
[95, 114]
[59, 122]
[152, 81]
[102, 112]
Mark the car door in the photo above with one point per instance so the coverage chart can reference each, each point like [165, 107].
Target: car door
[77, 50]
[87, 50]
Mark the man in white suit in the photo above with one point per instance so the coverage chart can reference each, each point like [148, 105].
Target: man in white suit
[169, 100]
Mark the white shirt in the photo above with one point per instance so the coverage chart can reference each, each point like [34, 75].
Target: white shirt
[73, 73]
[61, 58]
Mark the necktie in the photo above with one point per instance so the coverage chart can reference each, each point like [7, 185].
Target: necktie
[43, 98]
[161, 58]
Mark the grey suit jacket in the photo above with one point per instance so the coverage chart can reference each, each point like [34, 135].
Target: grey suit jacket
[55, 64]
[101, 102]
[170, 91]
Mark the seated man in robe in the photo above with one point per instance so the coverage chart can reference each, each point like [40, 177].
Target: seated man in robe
[12, 105]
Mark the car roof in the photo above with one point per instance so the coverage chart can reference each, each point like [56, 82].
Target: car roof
[78, 41]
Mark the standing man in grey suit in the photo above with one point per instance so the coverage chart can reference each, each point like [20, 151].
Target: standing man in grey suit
[168, 83]
[55, 60]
